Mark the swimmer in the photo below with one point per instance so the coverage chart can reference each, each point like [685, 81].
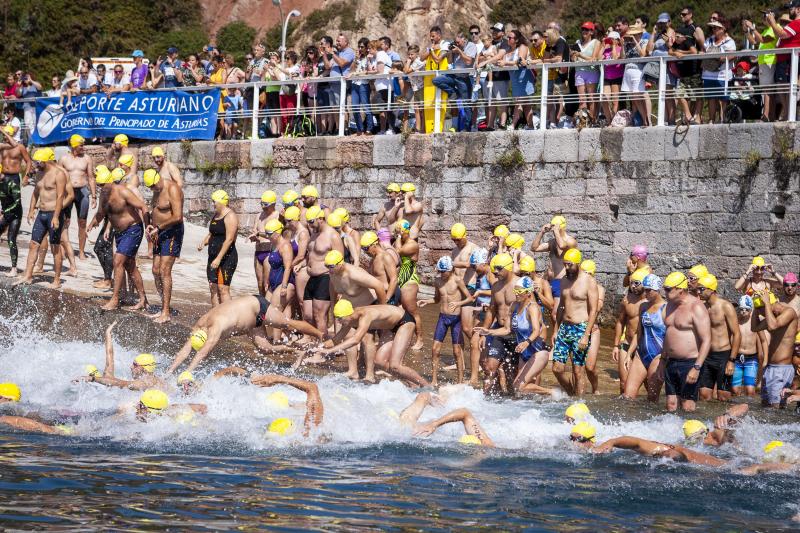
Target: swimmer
[309, 197]
[528, 328]
[580, 435]
[648, 338]
[14, 155]
[687, 341]
[382, 266]
[166, 169]
[278, 274]
[10, 215]
[451, 293]
[790, 296]
[626, 325]
[782, 323]
[411, 208]
[575, 319]
[50, 195]
[577, 412]
[590, 268]
[351, 237]
[718, 367]
[395, 327]
[479, 259]
[118, 149]
[223, 257]
[80, 167]
[693, 276]
[166, 232]
[695, 432]
[155, 402]
[10, 393]
[471, 426]
[760, 275]
[314, 408]
[556, 248]
[408, 280]
[752, 357]
[317, 296]
[245, 315]
[778, 457]
[128, 216]
[268, 212]
[460, 254]
[637, 260]
[387, 215]
[497, 242]
[299, 236]
[142, 369]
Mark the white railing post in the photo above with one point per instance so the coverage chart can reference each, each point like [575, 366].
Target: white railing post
[543, 99]
[662, 90]
[342, 102]
[254, 129]
[727, 74]
[299, 102]
[793, 88]
[437, 111]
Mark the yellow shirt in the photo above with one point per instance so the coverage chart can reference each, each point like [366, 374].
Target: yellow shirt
[216, 77]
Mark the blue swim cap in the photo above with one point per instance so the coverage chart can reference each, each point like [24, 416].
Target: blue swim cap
[651, 281]
[524, 283]
[444, 264]
[745, 302]
[479, 256]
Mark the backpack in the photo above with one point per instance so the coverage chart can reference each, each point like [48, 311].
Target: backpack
[300, 126]
[622, 119]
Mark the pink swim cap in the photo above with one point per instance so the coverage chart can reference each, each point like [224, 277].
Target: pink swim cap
[640, 251]
[790, 278]
[384, 235]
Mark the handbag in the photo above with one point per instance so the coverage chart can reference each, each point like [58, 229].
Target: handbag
[652, 71]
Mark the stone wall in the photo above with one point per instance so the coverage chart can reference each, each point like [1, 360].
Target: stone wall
[717, 194]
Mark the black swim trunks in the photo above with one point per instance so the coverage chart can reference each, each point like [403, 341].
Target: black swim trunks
[675, 379]
[408, 318]
[263, 304]
[81, 203]
[318, 288]
[713, 372]
[44, 225]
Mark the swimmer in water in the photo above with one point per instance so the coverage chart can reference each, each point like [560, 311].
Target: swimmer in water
[697, 432]
[778, 457]
[155, 402]
[475, 434]
[142, 370]
[10, 393]
[238, 316]
[583, 435]
[314, 408]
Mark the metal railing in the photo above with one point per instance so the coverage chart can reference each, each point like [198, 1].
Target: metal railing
[543, 99]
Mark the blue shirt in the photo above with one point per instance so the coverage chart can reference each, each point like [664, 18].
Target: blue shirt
[349, 56]
[168, 70]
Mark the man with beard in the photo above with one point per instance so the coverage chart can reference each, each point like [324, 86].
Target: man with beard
[115, 152]
[166, 169]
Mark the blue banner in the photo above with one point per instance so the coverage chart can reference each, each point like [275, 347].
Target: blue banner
[154, 115]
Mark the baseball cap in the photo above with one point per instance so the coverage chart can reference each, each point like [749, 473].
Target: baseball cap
[172, 50]
[663, 17]
[588, 25]
[137, 53]
[791, 4]
[613, 35]
[499, 27]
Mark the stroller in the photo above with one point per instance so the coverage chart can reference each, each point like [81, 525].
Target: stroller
[743, 102]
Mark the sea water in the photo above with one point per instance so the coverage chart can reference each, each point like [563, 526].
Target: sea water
[361, 469]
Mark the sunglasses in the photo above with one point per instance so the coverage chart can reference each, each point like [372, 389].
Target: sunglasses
[636, 283]
[790, 285]
[520, 292]
[668, 289]
[331, 267]
[270, 233]
[474, 33]
[578, 438]
[267, 204]
[366, 248]
[685, 14]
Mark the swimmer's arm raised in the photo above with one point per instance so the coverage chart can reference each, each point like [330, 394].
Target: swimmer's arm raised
[314, 408]
[782, 320]
[108, 371]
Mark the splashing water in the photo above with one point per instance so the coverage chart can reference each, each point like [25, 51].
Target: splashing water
[362, 468]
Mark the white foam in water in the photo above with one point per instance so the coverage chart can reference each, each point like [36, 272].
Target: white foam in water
[354, 414]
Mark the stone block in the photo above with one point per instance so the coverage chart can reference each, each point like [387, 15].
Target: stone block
[321, 153]
[202, 153]
[724, 222]
[418, 150]
[288, 153]
[561, 146]
[388, 151]
[261, 153]
[498, 144]
[466, 149]
[681, 144]
[611, 144]
[233, 153]
[589, 145]
[749, 140]
[355, 152]
[713, 141]
[643, 144]
[531, 144]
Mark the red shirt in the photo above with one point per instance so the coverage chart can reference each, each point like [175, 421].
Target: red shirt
[11, 91]
[792, 41]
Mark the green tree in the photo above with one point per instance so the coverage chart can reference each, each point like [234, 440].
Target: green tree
[236, 38]
[389, 9]
[516, 12]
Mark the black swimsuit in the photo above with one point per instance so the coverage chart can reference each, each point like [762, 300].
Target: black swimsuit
[224, 274]
[261, 317]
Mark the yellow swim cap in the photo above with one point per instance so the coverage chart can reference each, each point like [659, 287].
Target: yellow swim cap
[458, 230]
[343, 308]
[314, 212]
[76, 140]
[151, 177]
[585, 430]
[117, 174]
[44, 154]
[577, 411]
[342, 212]
[515, 240]
[698, 271]
[157, 151]
[221, 197]
[527, 264]
[10, 391]
[154, 400]
[403, 225]
[91, 371]
[589, 266]
[692, 427]
[797, 338]
[758, 302]
[278, 399]
[368, 239]
[676, 280]
[121, 139]
[502, 261]
[8, 128]
[102, 176]
[126, 159]
[559, 220]
[639, 274]
[269, 197]
[333, 258]
[709, 281]
[470, 440]
[198, 339]
[501, 231]
[292, 213]
[146, 361]
[289, 197]
[273, 225]
[281, 426]
[335, 221]
[408, 187]
[769, 448]
[309, 191]
[573, 255]
[185, 377]
[393, 187]
[759, 261]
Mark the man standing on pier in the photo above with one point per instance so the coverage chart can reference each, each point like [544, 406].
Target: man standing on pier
[80, 167]
[12, 155]
[166, 169]
[556, 247]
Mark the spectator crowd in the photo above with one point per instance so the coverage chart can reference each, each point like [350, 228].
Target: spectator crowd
[496, 81]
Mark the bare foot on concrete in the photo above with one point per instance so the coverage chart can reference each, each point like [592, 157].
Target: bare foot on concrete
[23, 281]
[418, 346]
[161, 319]
[82, 256]
[102, 284]
[111, 305]
[72, 272]
[12, 273]
[38, 270]
[54, 285]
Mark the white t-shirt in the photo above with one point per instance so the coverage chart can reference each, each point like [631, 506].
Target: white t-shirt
[17, 125]
[728, 45]
[382, 84]
[110, 80]
[417, 82]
